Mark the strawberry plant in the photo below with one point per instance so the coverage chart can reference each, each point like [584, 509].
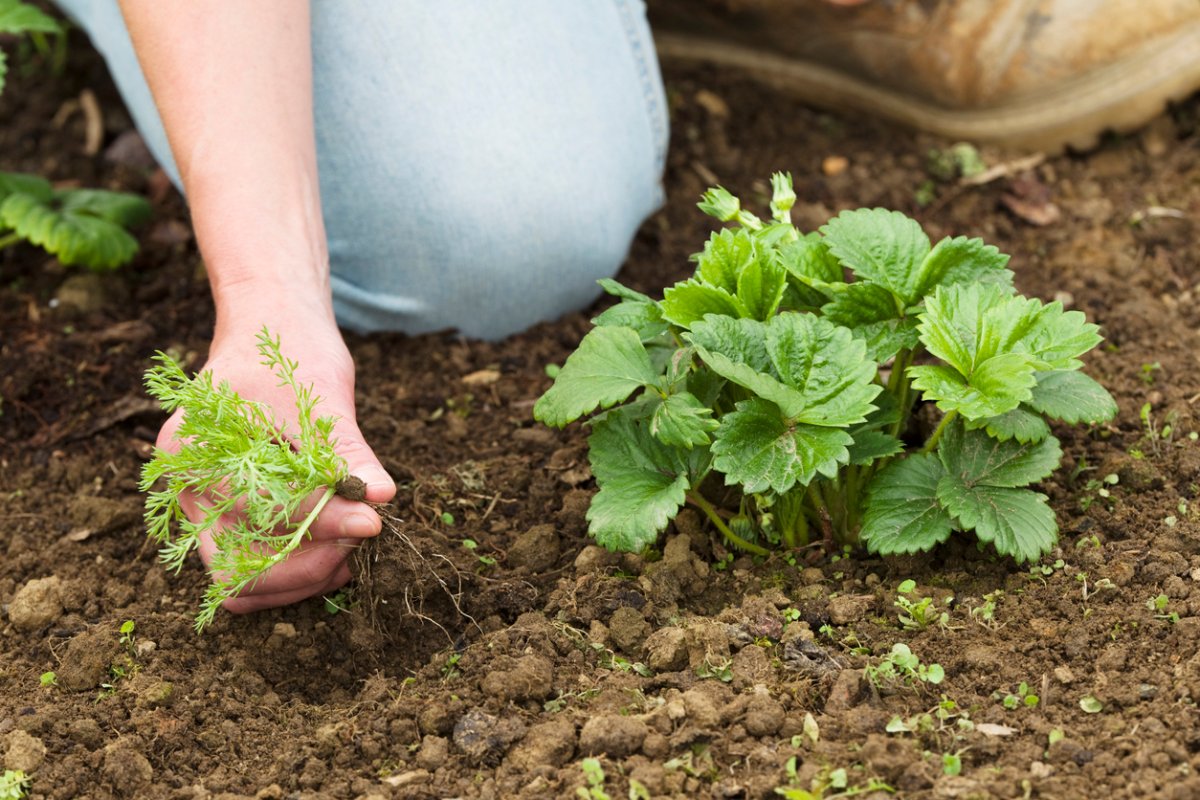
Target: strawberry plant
[19, 18]
[775, 390]
[239, 463]
[78, 226]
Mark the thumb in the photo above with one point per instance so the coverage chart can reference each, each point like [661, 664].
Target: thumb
[362, 462]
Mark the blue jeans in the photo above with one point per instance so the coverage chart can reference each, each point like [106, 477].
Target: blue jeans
[482, 164]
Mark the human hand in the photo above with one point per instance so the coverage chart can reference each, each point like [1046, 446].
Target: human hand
[318, 566]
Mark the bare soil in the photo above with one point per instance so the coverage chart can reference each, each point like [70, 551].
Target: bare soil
[491, 673]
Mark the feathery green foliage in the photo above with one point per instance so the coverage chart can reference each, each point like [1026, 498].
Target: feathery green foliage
[779, 382]
[252, 480]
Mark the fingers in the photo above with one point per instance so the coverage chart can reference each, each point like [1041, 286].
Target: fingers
[258, 602]
[309, 566]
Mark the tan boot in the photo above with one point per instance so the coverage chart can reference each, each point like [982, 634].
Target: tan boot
[1028, 73]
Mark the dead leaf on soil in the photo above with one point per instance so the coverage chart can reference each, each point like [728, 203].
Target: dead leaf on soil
[1029, 199]
[992, 729]
[481, 377]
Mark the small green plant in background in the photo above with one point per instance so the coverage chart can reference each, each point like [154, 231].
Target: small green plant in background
[1100, 490]
[917, 614]
[829, 784]
[14, 784]
[1159, 605]
[1023, 696]
[236, 456]
[902, 667]
[88, 227]
[775, 396]
[20, 19]
[593, 773]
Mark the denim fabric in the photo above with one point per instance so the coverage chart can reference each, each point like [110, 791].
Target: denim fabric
[482, 164]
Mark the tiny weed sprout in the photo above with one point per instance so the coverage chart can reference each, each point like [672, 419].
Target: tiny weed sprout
[916, 614]
[14, 784]
[593, 773]
[88, 227]
[774, 391]
[902, 667]
[237, 459]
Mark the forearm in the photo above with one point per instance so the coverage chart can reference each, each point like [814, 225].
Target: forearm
[233, 83]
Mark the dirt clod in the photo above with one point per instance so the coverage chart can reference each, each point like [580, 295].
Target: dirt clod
[352, 487]
[126, 769]
[531, 678]
[551, 743]
[847, 609]
[23, 751]
[628, 629]
[484, 738]
[36, 604]
[536, 549]
[612, 735]
[666, 650]
[86, 662]
[764, 715]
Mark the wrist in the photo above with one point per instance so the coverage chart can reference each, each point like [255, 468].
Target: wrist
[244, 306]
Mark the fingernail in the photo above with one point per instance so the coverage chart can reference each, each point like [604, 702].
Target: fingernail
[358, 526]
[375, 478]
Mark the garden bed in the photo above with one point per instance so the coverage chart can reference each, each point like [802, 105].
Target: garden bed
[494, 671]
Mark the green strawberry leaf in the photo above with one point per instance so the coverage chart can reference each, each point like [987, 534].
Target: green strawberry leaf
[855, 304]
[736, 350]
[617, 289]
[826, 365]
[996, 387]
[120, 208]
[903, 513]
[760, 286]
[690, 301]
[73, 236]
[1073, 397]
[881, 246]
[643, 483]
[809, 261]
[1021, 424]
[726, 254]
[36, 186]
[870, 446]
[975, 458]
[681, 420]
[1057, 337]
[885, 339]
[17, 17]
[951, 321]
[963, 260]
[608, 366]
[757, 448]
[644, 316]
[1018, 522]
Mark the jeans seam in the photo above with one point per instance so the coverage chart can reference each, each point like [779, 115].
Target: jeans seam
[654, 109]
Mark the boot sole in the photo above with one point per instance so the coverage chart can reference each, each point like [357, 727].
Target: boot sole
[1120, 96]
